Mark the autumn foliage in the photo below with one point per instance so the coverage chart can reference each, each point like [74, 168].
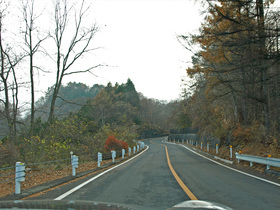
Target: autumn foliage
[234, 97]
[114, 144]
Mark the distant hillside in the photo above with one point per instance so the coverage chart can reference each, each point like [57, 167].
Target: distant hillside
[71, 98]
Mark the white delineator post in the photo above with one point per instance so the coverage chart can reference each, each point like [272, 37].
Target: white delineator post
[113, 155]
[123, 153]
[19, 176]
[99, 158]
[75, 163]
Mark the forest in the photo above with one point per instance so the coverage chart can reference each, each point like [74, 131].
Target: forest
[85, 117]
[68, 117]
[232, 96]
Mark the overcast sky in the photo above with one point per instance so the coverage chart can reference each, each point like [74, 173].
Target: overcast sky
[139, 41]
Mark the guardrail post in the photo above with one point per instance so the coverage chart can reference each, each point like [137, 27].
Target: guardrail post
[238, 161]
[217, 149]
[19, 176]
[196, 144]
[75, 164]
[123, 153]
[174, 141]
[113, 155]
[134, 149]
[99, 158]
[137, 148]
[201, 145]
[251, 164]
[129, 151]
[268, 166]
[230, 152]
[182, 141]
[207, 147]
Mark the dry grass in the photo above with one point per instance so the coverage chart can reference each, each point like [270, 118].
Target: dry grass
[32, 178]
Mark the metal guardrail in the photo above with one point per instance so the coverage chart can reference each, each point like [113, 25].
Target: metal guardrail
[256, 159]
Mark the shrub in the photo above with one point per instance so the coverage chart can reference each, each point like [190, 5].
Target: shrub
[114, 144]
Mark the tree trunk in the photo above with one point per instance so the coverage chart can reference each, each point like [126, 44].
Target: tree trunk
[32, 117]
[262, 59]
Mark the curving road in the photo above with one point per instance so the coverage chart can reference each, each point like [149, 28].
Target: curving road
[148, 182]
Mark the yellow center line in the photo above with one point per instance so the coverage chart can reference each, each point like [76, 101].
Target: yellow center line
[180, 182]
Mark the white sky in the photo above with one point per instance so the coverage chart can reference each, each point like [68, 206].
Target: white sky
[138, 39]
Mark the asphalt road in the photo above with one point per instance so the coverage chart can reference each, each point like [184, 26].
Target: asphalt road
[147, 181]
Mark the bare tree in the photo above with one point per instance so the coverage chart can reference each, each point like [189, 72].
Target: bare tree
[78, 46]
[8, 61]
[32, 46]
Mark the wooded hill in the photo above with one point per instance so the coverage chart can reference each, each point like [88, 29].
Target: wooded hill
[84, 118]
[70, 99]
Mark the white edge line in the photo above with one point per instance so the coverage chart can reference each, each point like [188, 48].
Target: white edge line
[99, 175]
[233, 169]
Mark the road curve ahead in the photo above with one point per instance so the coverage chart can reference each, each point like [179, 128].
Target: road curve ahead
[148, 182]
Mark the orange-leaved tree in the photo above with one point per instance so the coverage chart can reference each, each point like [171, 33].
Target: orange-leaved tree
[114, 144]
